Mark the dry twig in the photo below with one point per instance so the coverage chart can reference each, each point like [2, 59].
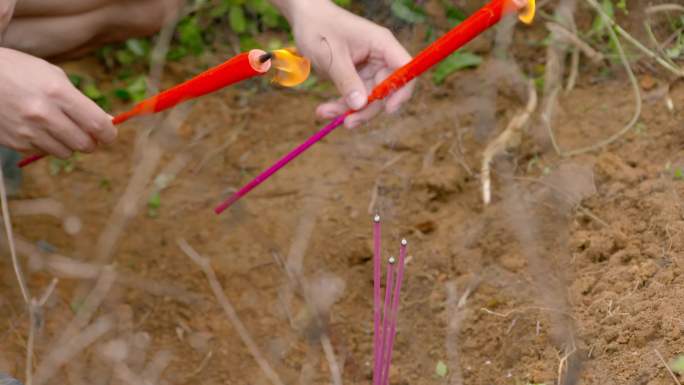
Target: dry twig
[667, 367]
[546, 116]
[254, 350]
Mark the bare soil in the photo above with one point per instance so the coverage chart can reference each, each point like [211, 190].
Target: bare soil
[575, 267]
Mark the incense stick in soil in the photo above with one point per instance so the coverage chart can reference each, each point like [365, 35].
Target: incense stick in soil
[377, 273]
[386, 318]
[394, 311]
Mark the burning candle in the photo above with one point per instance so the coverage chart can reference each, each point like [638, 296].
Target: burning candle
[464, 32]
[290, 70]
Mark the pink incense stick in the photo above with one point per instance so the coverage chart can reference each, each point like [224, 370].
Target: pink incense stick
[377, 266]
[282, 162]
[394, 311]
[386, 312]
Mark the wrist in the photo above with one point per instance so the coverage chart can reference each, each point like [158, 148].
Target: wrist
[291, 9]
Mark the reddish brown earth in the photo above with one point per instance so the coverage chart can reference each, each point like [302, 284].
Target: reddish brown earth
[577, 257]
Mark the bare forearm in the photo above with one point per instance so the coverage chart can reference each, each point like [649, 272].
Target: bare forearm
[291, 7]
[6, 12]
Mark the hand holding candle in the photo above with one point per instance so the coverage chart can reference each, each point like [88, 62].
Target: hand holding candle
[290, 70]
[464, 32]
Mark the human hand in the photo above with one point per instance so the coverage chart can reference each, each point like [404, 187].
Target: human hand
[42, 110]
[355, 53]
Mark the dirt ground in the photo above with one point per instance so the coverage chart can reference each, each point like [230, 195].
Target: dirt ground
[574, 270]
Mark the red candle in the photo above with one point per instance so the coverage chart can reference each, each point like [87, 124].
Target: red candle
[241, 67]
[291, 70]
[467, 30]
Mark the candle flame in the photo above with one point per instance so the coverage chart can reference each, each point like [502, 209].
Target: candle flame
[527, 13]
[290, 68]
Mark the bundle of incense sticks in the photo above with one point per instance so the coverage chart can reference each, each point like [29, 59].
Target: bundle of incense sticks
[385, 311]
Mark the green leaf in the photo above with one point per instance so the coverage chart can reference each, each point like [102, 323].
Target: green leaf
[236, 17]
[679, 175]
[153, 205]
[456, 61]
[271, 20]
[343, 3]
[219, 11]
[407, 13]
[622, 5]
[441, 369]
[454, 15]
[599, 25]
[76, 80]
[123, 94]
[139, 47]
[677, 365]
[177, 53]
[124, 57]
[137, 89]
[90, 90]
[248, 43]
[155, 201]
[190, 35]
[105, 184]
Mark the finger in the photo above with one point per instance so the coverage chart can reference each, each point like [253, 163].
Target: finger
[89, 117]
[399, 97]
[393, 52]
[356, 119]
[331, 109]
[396, 56]
[46, 143]
[347, 80]
[67, 132]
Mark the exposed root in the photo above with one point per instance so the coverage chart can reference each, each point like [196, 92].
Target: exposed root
[501, 142]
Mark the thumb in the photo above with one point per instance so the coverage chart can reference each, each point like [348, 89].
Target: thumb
[348, 82]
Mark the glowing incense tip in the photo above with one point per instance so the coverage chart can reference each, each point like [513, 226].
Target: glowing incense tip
[404, 242]
[376, 218]
[391, 260]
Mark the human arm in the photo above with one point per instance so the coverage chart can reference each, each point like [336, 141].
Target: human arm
[6, 12]
[353, 52]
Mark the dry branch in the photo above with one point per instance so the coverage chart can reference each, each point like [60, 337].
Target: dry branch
[667, 367]
[637, 102]
[10, 240]
[62, 354]
[679, 72]
[254, 350]
[570, 37]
